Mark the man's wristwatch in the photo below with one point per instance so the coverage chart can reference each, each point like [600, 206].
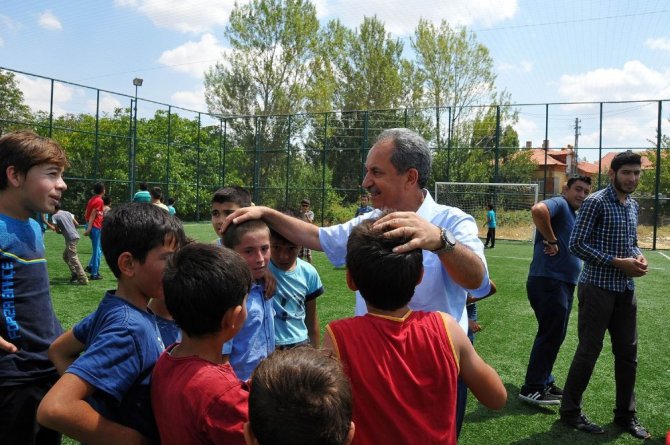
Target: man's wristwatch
[448, 242]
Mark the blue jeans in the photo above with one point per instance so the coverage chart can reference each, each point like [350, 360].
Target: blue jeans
[96, 256]
[551, 301]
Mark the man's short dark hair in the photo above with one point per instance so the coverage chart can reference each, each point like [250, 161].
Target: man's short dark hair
[386, 280]
[300, 396]
[201, 282]
[584, 179]
[410, 151]
[137, 228]
[235, 194]
[98, 188]
[234, 233]
[625, 157]
[24, 150]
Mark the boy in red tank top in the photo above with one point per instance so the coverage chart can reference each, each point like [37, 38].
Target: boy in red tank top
[403, 364]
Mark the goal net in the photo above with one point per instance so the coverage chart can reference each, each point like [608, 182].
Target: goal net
[511, 202]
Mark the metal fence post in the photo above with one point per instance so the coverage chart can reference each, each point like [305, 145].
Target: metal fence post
[659, 159]
[197, 174]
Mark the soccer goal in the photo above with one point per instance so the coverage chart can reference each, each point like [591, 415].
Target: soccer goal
[511, 202]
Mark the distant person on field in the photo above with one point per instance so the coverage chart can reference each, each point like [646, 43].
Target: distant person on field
[299, 396]
[491, 224]
[551, 284]
[107, 358]
[364, 207]
[43, 220]
[143, 194]
[306, 215]
[170, 206]
[66, 225]
[256, 340]
[107, 205]
[298, 286]
[605, 238]
[403, 365]
[196, 396]
[156, 197]
[94, 216]
[31, 180]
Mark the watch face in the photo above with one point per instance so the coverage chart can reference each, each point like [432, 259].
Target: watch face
[449, 237]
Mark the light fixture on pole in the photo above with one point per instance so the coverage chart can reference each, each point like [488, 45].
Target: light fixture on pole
[138, 83]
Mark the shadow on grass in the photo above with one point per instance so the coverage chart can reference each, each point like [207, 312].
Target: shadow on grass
[561, 433]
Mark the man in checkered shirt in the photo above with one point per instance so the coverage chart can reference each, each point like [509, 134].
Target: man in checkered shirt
[605, 237]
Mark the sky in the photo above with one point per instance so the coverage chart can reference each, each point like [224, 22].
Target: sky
[544, 51]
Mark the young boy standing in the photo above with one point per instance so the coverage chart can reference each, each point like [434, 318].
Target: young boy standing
[107, 358]
[312, 393]
[256, 340]
[298, 286]
[196, 396]
[306, 215]
[31, 180]
[66, 224]
[403, 364]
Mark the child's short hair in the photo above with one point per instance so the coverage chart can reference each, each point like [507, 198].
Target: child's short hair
[156, 193]
[170, 201]
[201, 282]
[234, 233]
[235, 194]
[98, 188]
[24, 150]
[137, 228]
[106, 200]
[385, 279]
[300, 396]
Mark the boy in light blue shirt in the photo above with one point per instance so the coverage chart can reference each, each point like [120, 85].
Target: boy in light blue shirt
[298, 286]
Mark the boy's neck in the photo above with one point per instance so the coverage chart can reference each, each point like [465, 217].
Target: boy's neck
[295, 264]
[206, 347]
[131, 295]
[397, 313]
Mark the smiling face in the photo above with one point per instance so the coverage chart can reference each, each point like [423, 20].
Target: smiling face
[576, 193]
[387, 187]
[41, 189]
[254, 246]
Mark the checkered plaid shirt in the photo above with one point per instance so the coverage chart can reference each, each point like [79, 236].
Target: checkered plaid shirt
[605, 229]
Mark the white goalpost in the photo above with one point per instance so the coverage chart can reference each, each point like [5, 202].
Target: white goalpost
[511, 202]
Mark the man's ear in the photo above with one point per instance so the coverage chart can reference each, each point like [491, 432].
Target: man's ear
[350, 282]
[350, 434]
[126, 263]
[412, 176]
[14, 177]
[249, 435]
[612, 174]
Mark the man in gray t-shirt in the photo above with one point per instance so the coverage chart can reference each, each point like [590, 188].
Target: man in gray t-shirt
[66, 224]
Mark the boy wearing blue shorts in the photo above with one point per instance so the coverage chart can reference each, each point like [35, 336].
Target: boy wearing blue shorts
[107, 358]
[256, 340]
[298, 286]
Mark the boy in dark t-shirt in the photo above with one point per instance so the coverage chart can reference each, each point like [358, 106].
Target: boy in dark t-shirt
[31, 180]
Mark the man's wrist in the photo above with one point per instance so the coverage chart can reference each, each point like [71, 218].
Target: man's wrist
[553, 243]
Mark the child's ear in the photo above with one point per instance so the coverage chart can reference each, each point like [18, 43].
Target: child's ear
[14, 176]
[126, 263]
[249, 435]
[350, 282]
[233, 319]
[350, 434]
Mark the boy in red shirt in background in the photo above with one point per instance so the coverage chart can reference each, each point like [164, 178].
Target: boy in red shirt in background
[94, 215]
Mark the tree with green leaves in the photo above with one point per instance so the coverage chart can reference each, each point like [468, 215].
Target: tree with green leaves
[12, 108]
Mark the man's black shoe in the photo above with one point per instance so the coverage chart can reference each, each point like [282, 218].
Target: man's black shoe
[634, 428]
[582, 423]
[95, 277]
[555, 390]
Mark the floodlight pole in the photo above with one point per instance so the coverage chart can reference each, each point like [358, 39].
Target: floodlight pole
[133, 146]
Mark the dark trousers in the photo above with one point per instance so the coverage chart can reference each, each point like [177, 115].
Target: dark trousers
[551, 301]
[491, 237]
[18, 410]
[601, 310]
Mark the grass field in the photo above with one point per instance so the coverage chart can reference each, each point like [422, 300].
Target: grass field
[508, 330]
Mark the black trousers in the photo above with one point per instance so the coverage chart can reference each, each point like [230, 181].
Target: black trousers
[18, 410]
[601, 310]
[491, 237]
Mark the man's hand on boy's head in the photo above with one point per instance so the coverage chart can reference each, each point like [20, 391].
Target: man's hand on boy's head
[422, 233]
[241, 215]
[7, 346]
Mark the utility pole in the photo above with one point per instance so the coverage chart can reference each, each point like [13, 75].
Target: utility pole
[577, 133]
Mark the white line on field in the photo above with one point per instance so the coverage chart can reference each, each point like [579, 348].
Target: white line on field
[528, 259]
[664, 255]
